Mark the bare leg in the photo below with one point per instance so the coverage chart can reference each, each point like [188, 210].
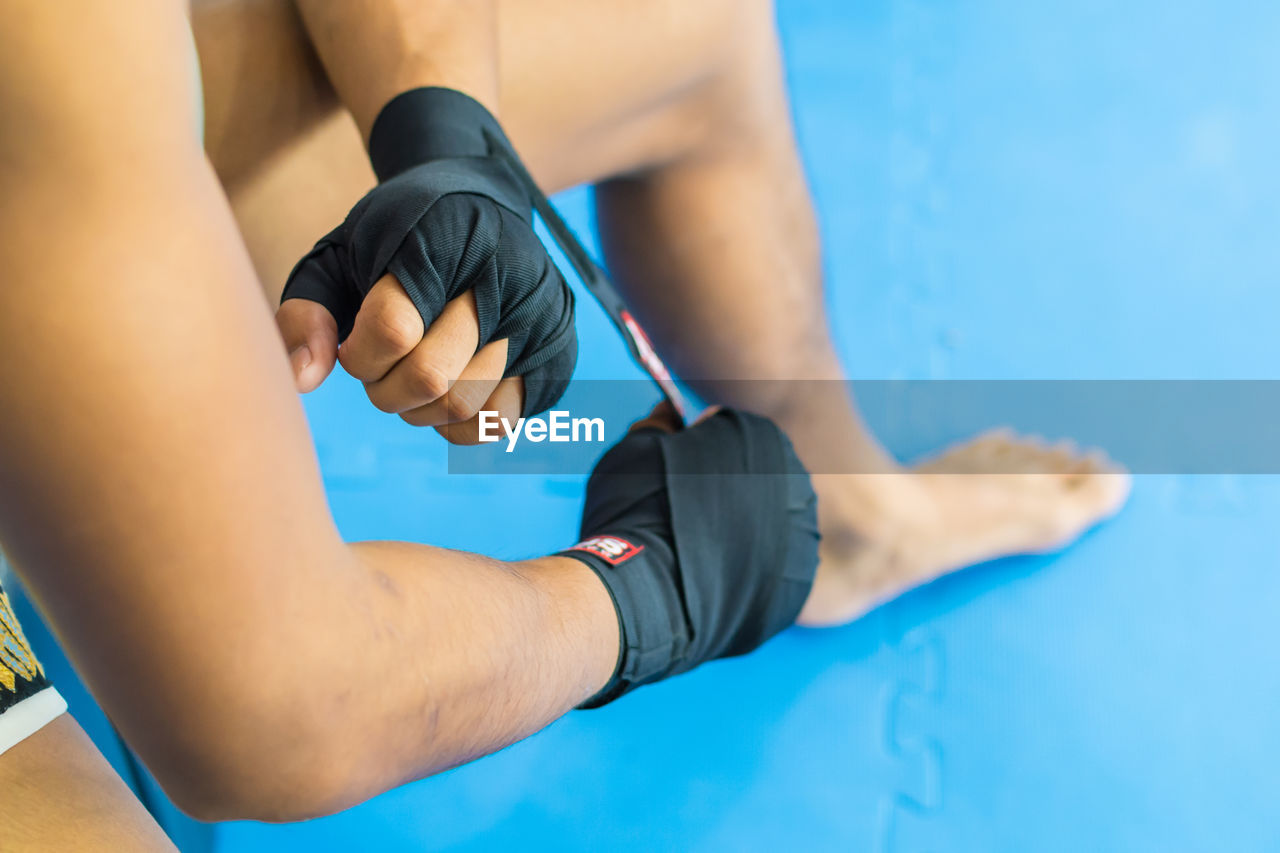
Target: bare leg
[719, 257]
[61, 794]
[678, 112]
[583, 100]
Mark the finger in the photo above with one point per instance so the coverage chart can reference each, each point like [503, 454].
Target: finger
[428, 371]
[311, 338]
[662, 417]
[475, 383]
[387, 328]
[507, 400]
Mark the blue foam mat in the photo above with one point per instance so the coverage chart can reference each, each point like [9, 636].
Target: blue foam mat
[1008, 190]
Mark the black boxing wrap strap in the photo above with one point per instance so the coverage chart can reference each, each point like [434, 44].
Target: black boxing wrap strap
[448, 215]
[431, 123]
[706, 540]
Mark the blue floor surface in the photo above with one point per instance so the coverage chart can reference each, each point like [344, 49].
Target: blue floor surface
[1007, 190]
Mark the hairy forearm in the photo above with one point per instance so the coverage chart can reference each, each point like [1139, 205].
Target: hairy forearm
[375, 49]
[280, 683]
[405, 661]
[472, 654]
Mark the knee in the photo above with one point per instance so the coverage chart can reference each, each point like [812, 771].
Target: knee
[745, 98]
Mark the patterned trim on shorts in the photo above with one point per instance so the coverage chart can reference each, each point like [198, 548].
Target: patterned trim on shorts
[27, 698]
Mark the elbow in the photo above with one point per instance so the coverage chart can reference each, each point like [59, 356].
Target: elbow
[218, 787]
[276, 770]
[236, 798]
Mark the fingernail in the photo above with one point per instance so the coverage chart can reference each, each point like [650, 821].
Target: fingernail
[300, 358]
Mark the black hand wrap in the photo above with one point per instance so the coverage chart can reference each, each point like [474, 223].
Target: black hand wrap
[449, 215]
[707, 539]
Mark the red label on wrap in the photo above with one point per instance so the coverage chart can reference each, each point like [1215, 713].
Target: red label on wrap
[612, 549]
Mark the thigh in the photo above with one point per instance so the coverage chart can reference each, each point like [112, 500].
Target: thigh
[590, 89]
[61, 794]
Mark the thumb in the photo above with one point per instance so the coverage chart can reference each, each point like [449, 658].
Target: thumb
[311, 338]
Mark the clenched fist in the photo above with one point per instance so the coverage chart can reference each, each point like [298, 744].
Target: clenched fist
[436, 292]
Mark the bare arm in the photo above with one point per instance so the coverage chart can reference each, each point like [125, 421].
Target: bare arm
[376, 49]
[157, 486]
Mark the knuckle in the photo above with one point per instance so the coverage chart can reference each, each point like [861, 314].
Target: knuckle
[428, 381]
[460, 407]
[397, 327]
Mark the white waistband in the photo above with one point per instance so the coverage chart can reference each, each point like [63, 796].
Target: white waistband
[30, 716]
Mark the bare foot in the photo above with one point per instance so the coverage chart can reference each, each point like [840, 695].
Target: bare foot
[994, 496]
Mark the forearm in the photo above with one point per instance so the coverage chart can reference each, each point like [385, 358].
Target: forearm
[284, 683]
[399, 661]
[375, 49]
[436, 658]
